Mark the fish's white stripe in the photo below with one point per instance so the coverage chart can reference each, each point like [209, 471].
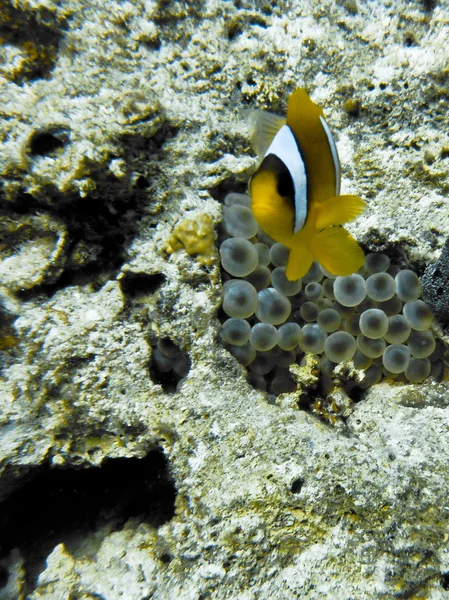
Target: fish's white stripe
[284, 146]
[334, 153]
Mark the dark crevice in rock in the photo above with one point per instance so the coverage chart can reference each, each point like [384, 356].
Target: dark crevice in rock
[3, 577]
[137, 285]
[99, 233]
[24, 204]
[62, 505]
[435, 284]
[37, 34]
[357, 394]
[228, 185]
[297, 485]
[134, 144]
[169, 365]
[429, 5]
[168, 381]
[9, 340]
[166, 558]
[46, 143]
[102, 225]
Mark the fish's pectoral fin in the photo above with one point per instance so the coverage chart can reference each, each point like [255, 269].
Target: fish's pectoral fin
[339, 210]
[337, 251]
[262, 127]
[299, 262]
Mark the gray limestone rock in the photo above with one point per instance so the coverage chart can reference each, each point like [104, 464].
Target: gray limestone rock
[120, 125]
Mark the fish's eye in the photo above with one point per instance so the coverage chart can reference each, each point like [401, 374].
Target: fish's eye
[284, 181]
[285, 184]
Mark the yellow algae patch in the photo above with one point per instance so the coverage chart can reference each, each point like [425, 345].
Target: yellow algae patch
[196, 237]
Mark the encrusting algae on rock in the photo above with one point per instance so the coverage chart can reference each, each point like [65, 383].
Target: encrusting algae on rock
[196, 237]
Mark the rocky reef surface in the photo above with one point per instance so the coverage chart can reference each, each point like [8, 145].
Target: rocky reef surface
[120, 134]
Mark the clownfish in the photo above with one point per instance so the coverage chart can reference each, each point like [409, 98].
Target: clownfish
[295, 192]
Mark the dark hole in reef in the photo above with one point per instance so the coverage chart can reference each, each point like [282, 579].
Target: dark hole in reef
[154, 44]
[135, 285]
[168, 365]
[24, 203]
[267, 10]
[444, 581]
[166, 558]
[62, 505]
[235, 28]
[357, 393]
[45, 143]
[38, 42]
[100, 226]
[409, 41]
[308, 397]
[134, 145]
[297, 485]
[168, 380]
[228, 185]
[3, 577]
[444, 154]
[142, 182]
[429, 5]
[9, 339]
[383, 86]
[339, 489]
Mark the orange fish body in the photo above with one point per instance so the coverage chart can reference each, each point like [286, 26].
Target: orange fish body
[295, 193]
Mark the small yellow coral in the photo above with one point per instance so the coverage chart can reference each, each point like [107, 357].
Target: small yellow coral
[196, 237]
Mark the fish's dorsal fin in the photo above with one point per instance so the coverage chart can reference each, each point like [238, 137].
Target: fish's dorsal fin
[333, 149]
[302, 112]
[262, 127]
[316, 145]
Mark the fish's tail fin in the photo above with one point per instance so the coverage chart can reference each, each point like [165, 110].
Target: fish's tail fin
[337, 251]
[299, 262]
[339, 210]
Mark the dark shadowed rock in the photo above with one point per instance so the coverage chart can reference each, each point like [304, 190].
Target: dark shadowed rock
[435, 284]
